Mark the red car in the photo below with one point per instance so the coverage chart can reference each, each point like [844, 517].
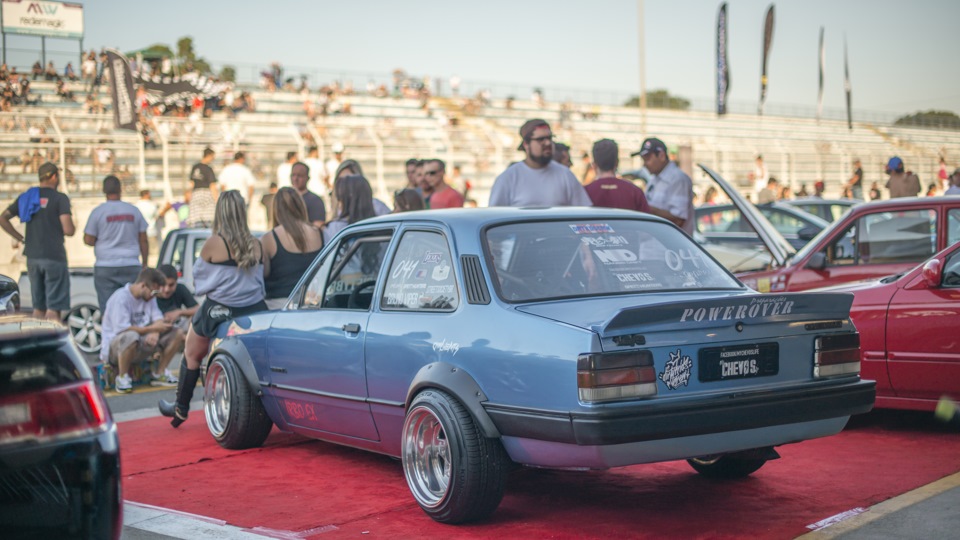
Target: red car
[908, 338]
[870, 241]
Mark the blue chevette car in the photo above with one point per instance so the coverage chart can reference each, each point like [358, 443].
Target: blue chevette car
[464, 340]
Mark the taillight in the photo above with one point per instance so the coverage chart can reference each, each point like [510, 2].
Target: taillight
[55, 412]
[616, 376]
[836, 355]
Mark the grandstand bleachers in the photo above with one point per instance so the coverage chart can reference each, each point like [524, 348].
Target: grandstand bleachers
[382, 133]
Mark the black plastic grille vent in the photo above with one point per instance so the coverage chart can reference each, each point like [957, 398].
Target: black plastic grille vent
[477, 292]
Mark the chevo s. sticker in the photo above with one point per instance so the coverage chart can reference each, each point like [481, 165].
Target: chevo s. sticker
[676, 372]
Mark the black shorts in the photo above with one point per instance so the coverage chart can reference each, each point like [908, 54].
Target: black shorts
[211, 314]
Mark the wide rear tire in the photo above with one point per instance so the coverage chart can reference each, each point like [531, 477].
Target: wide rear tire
[235, 415]
[454, 472]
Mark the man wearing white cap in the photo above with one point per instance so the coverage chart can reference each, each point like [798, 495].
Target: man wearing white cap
[333, 163]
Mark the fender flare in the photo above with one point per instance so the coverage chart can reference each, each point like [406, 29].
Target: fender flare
[456, 381]
[233, 348]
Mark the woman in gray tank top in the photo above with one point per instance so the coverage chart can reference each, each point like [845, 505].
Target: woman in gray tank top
[229, 272]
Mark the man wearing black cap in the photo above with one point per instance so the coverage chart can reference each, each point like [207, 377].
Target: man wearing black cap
[47, 215]
[670, 191]
[537, 180]
[118, 234]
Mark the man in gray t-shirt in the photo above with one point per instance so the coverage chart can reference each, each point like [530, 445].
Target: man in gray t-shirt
[537, 180]
[118, 234]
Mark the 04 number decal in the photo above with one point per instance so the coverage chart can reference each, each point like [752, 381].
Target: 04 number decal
[674, 259]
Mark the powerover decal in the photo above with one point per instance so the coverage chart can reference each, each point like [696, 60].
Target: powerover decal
[758, 307]
[676, 372]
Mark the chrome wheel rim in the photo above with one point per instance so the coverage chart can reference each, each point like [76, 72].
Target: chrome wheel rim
[426, 457]
[216, 400]
[84, 324]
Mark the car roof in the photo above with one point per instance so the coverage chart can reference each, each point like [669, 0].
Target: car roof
[779, 205]
[905, 202]
[481, 217]
[22, 327]
[823, 202]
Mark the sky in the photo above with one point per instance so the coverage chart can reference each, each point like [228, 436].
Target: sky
[902, 55]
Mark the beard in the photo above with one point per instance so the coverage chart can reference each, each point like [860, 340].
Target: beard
[543, 159]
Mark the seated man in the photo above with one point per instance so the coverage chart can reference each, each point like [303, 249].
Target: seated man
[174, 300]
[133, 330]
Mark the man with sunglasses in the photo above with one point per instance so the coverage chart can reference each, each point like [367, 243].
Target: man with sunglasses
[441, 194]
[133, 330]
[538, 180]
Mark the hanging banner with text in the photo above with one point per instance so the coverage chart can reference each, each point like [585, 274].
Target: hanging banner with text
[723, 69]
[767, 39]
[54, 19]
[121, 91]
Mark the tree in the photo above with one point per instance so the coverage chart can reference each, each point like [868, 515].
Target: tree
[660, 99]
[930, 119]
[188, 59]
[228, 74]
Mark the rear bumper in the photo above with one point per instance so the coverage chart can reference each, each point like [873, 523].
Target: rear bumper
[652, 421]
[68, 489]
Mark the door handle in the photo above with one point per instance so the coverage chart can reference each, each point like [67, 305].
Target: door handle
[351, 328]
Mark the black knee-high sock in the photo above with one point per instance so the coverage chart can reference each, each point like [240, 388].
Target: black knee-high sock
[188, 382]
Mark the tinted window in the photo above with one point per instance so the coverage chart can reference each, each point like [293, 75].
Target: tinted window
[951, 271]
[176, 258]
[782, 221]
[347, 277]
[421, 276]
[561, 259]
[895, 237]
[953, 226]
[721, 221]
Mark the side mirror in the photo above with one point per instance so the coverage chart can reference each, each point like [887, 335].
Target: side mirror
[932, 273]
[807, 233]
[818, 261]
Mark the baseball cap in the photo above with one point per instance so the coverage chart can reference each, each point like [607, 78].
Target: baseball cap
[652, 144]
[337, 148]
[605, 151]
[47, 170]
[528, 127]
[894, 164]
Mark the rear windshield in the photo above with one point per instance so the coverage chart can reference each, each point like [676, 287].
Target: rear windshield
[559, 259]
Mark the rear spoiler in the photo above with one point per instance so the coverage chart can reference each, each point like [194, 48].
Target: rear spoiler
[748, 309]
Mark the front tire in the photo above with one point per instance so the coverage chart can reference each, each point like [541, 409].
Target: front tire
[726, 467]
[235, 415]
[454, 472]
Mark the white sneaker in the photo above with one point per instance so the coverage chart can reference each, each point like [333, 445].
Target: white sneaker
[123, 384]
[167, 379]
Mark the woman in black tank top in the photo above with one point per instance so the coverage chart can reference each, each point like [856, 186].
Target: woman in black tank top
[284, 264]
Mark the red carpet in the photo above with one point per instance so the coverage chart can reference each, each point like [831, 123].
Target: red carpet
[295, 484]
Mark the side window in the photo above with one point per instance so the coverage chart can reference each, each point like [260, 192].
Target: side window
[783, 222]
[197, 247]
[953, 226]
[176, 258]
[421, 277]
[842, 251]
[346, 278]
[951, 271]
[898, 237]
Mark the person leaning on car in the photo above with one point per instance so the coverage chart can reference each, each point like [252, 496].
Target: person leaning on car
[901, 184]
[46, 213]
[133, 330]
[118, 234]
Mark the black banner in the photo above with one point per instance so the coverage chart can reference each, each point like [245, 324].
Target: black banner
[822, 66]
[767, 39]
[846, 85]
[169, 90]
[121, 91]
[723, 69]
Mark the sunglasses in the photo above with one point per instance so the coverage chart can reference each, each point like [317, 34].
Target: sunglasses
[543, 139]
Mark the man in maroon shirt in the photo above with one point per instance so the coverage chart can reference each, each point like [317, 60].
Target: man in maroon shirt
[441, 194]
[608, 190]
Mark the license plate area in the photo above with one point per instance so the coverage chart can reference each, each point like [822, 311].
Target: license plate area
[739, 362]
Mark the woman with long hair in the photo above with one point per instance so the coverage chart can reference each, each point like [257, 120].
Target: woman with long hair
[350, 167]
[289, 248]
[407, 200]
[229, 271]
[355, 202]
